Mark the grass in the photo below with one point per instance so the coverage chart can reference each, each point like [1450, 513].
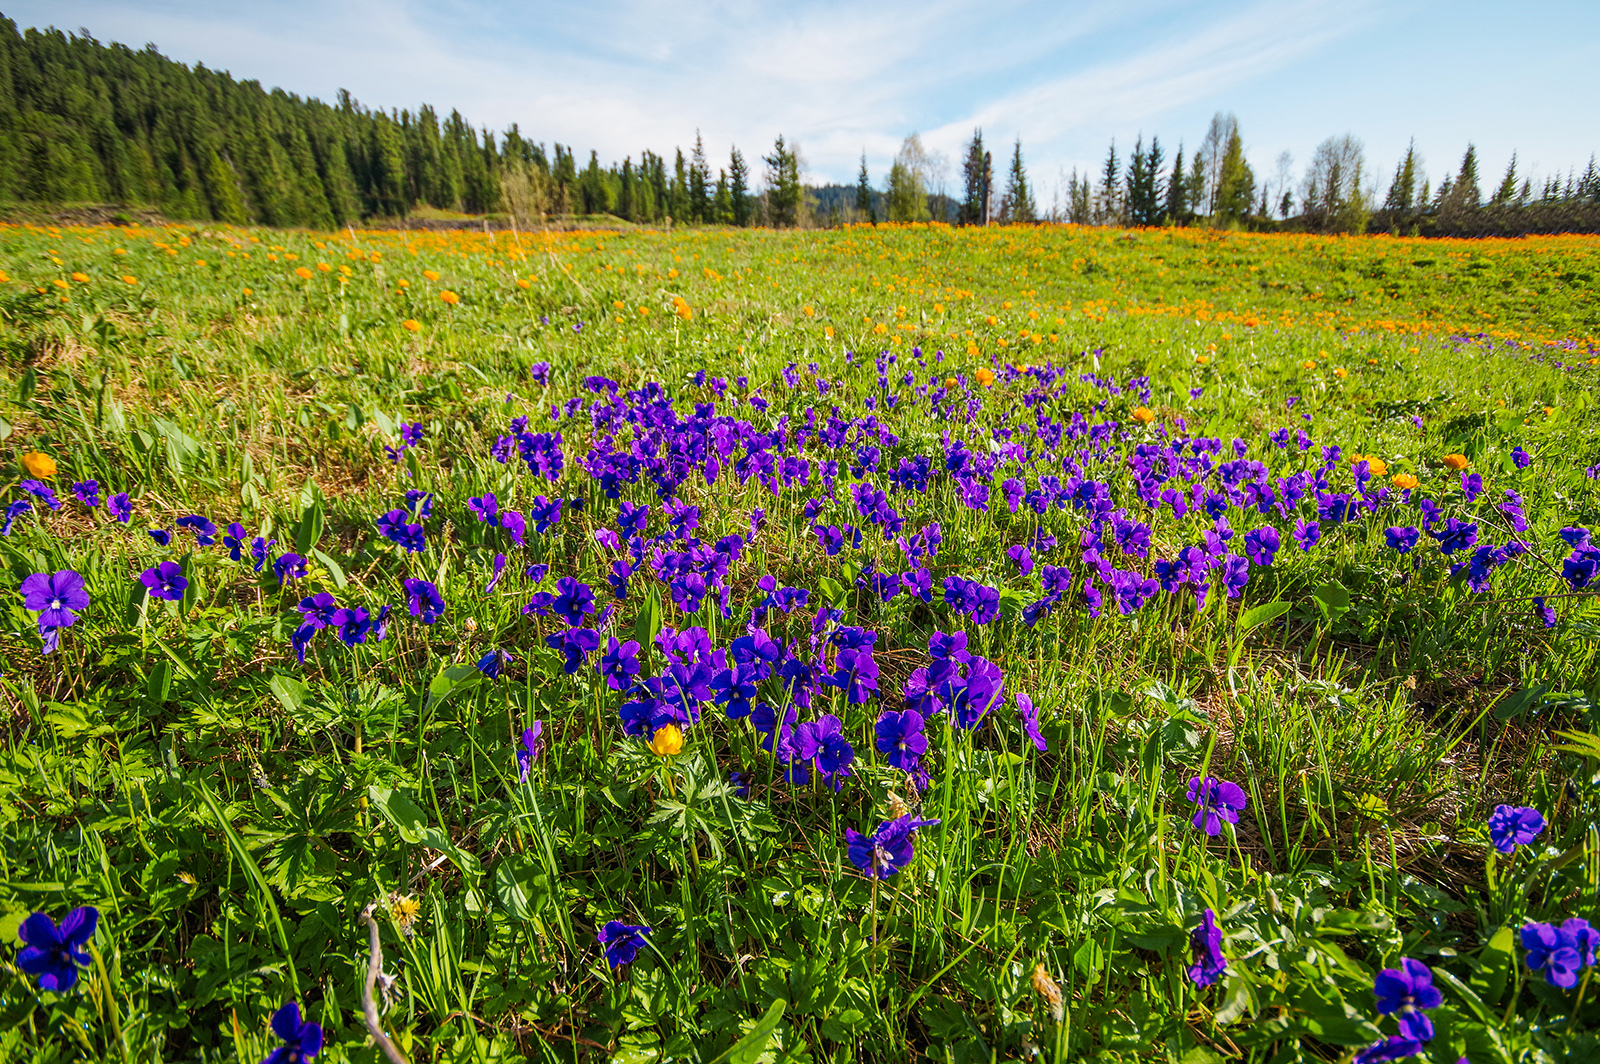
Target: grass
[231, 811]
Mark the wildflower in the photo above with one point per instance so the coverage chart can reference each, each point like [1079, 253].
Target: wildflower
[1143, 415]
[900, 738]
[353, 624]
[449, 297]
[411, 325]
[1050, 990]
[576, 644]
[1397, 1047]
[1520, 458]
[39, 464]
[1218, 800]
[1404, 481]
[620, 664]
[573, 599]
[1455, 461]
[205, 533]
[984, 376]
[1206, 941]
[1400, 539]
[424, 600]
[301, 1040]
[54, 953]
[55, 597]
[499, 567]
[823, 740]
[165, 581]
[1511, 826]
[289, 566]
[318, 609]
[622, 942]
[887, 850]
[1560, 952]
[492, 662]
[528, 752]
[1408, 991]
[667, 740]
[259, 548]
[119, 507]
[1030, 721]
[14, 511]
[405, 909]
[161, 536]
[1547, 612]
[41, 492]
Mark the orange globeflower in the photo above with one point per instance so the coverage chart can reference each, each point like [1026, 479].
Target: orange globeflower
[1404, 481]
[1376, 466]
[430, 275]
[39, 464]
[403, 283]
[81, 277]
[303, 273]
[522, 282]
[668, 740]
[985, 376]
[1308, 364]
[684, 311]
[1341, 373]
[1455, 461]
[1143, 414]
[1204, 360]
[449, 297]
[411, 325]
[129, 278]
[950, 382]
[324, 267]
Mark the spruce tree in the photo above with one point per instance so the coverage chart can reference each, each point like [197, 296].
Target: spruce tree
[784, 191]
[1402, 190]
[1177, 191]
[699, 181]
[1108, 210]
[864, 193]
[1465, 186]
[739, 188]
[1507, 192]
[971, 209]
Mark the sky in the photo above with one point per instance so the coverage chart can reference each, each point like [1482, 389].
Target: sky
[846, 78]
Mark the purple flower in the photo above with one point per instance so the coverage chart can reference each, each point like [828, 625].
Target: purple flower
[528, 752]
[1261, 544]
[205, 533]
[900, 738]
[289, 566]
[161, 536]
[1520, 458]
[1401, 540]
[41, 491]
[424, 600]
[576, 644]
[353, 624]
[1030, 722]
[54, 953]
[1218, 800]
[620, 663]
[1306, 533]
[823, 740]
[486, 508]
[119, 507]
[301, 1040]
[887, 850]
[54, 597]
[1023, 558]
[1397, 1047]
[499, 567]
[1511, 826]
[1560, 952]
[573, 599]
[410, 433]
[492, 662]
[258, 550]
[1408, 991]
[318, 609]
[14, 511]
[1206, 941]
[165, 581]
[622, 942]
[234, 541]
[87, 492]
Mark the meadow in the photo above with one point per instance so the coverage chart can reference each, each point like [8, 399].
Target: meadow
[873, 644]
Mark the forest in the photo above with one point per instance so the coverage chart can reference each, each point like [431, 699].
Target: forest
[86, 123]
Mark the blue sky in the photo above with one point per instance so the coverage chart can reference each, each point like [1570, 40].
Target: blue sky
[840, 78]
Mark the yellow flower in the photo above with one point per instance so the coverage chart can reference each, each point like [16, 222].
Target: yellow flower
[449, 297]
[809, 312]
[405, 909]
[668, 740]
[1455, 461]
[1404, 481]
[411, 325]
[39, 464]
[985, 376]
[1341, 373]
[324, 267]
[950, 382]
[430, 275]
[1308, 364]
[990, 320]
[616, 304]
[303, 273]
[249, 291]
[1204, 360]
[1143, 414]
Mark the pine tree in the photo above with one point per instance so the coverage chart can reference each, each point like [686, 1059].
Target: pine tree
[1507, 192]
[864, 208]
[722, 200]
[739, 188]
[1236, 183]
[784, 191]
[1018, 193]
[971, 210]
[1177, 191]
[699, 181]
[1108, 210]
[1402, 190]
[1464, 190]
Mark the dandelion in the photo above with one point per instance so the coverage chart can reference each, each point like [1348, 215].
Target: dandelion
[405, 909]
[1511, 826]
[301, 1040]
[53, 953]
[39, 464]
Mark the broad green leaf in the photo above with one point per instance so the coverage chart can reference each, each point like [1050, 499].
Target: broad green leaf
[1256, 616]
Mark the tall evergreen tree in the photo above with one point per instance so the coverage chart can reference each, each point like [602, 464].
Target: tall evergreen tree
[1464, 189]
[1506, 194]
[864, 193]
[1236, 182]
[739, 188]
[1177, 191]
[970, 211]
[784, 192]
[1402, 195]
[699, 181]
[1019, 209]
[1108, 208]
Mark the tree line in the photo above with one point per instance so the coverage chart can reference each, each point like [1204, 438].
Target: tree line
[85, 122]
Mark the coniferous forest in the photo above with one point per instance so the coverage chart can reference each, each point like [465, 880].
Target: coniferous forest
[83, 122]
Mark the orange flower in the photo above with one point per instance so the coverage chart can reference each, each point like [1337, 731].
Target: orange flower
[449, 297]
[1455, 461]
[683, 310]
[1143, 415]
[523, 283]
[324, 267]
[1308, 364]
[668, 740]
[1404, 481]
[985, 376]
[411, 325]
[950, 382]
[303, 273]
[39, 464]
[82, 277]
[430, 275]
[403, 283]
[1377, 466]
[1341, 373]
[129, 278]
[807, 309]
[1204, 360]
[828, 329]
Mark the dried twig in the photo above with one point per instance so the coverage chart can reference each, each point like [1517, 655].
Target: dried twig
[369, 1007]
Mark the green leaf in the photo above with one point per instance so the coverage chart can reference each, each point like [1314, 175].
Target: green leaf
[833, 591]
[309, 530]
[334, 569]
[1256, 616]
[1494, 966]
[159, 683]
[1240, 1000]
[1333, 600]
[406, 816]
[1514, 705]
[749, 1049]
[290, 692]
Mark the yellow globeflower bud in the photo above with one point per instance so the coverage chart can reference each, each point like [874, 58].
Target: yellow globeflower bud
[668, 740]
[39, 464]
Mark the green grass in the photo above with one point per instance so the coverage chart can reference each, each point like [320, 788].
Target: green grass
[231, 812]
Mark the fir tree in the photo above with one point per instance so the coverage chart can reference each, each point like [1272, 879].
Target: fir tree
[699, 181]
[1108, 210]
[864, 208]
[739, 188]
[1506, 194]
[970, 211]
[1177, 191]
[784, 192]
[1402, 190]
